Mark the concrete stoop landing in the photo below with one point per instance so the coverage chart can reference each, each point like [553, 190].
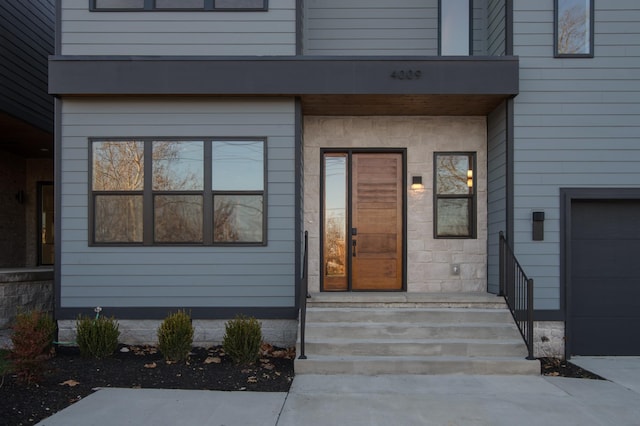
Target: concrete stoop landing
[412, 333]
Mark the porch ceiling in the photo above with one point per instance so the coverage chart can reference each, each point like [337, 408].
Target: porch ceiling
[23, 139]
[439, 105]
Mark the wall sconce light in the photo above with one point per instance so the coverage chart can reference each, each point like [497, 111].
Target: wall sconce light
[416, 183]
[20, 196]
[538, 226]
[470, 178]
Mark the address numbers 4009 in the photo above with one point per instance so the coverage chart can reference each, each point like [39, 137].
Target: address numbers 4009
[406, 74]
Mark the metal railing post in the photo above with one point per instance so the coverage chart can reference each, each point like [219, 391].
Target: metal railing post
[530, 317]
[304, 294]
[502, 265]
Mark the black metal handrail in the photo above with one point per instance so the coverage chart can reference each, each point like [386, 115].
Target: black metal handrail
[304, 293]
[517, 290]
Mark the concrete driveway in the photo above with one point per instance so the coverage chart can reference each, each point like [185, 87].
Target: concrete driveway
[449, 400]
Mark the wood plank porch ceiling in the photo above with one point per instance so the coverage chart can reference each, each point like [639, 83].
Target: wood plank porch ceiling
[436, 105]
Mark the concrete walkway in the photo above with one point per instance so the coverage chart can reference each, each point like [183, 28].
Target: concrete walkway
[449, 400]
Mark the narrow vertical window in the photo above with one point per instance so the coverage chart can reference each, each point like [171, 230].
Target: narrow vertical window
[573, 28]
[455, 28]
[45, 219]
[178, 177]
[117, 184]
[454, 204]
[238, 191]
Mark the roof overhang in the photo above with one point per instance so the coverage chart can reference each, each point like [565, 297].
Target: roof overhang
[326, 85]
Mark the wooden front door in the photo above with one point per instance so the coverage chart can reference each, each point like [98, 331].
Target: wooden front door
[363, 221]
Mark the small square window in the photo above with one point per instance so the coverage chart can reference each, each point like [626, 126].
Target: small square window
[573, 28]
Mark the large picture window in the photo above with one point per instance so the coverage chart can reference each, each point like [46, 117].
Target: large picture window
[186, 5]
[454, 195]
[204, 192]
[573, 28]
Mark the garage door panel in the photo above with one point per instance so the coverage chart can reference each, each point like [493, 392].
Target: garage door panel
[621, 302]
[606, 258]
[605, 277]
[615, 219]
[614, 336]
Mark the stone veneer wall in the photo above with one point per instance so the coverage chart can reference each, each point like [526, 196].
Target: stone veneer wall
[207, 333]
[24, 290]
[548, 339]
[429, 263]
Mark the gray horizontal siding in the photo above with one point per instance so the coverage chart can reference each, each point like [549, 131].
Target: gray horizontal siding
[479, 26]
[354, 27]
[26, 41]
[576, 123]
[496, 190]
[496, 28]
[188, 276]
[178, 33]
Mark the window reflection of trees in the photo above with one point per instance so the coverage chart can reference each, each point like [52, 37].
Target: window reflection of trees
[177, 183]
[335, 215]
[118, 166]
[237, 218]
[335, 246]
[572, 27]
[452, 174]
[454, 193]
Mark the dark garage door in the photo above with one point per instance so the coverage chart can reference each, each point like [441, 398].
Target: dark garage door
[605, 277]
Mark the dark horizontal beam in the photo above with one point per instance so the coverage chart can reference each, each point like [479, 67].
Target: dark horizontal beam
[275, 76]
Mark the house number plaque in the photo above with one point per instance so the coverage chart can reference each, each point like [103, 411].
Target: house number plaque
[408, 74]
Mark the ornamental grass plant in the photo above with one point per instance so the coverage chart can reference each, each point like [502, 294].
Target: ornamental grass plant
[175, 337]
[242, 339]
[97, 337]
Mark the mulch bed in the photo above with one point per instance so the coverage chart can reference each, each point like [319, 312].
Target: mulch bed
[562, 368]
[69, 377]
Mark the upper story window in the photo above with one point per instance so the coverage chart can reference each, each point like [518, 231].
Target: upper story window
[184, 5]
[198, 192]
[455, 27]
[573, 28]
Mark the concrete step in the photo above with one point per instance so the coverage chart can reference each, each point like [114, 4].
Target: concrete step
[408, 315]
[373, 365]
[415, 347]
[395, 330]
[406, 300]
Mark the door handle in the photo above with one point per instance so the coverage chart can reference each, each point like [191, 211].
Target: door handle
[353, 245]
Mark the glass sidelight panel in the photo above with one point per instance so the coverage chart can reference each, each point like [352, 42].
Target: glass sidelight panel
[335, 219]
[45, 216]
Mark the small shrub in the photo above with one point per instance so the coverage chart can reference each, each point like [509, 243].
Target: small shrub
[175, 337]
[5, 364]
[242, 339]
[97, 337]
[32, 339]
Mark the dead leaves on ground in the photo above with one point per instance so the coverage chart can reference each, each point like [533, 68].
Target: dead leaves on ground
[71, 383]
[267, 350]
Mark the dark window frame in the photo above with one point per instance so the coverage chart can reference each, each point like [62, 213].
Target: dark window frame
[473, 210]
[149, 194]
[150, 5]
[556, 20]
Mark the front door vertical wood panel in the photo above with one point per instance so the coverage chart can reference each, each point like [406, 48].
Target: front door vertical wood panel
[377, 221]
[363, 221]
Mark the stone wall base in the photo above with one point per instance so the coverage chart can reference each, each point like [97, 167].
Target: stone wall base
[548, 339]
[280, 333]
[23, 291]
